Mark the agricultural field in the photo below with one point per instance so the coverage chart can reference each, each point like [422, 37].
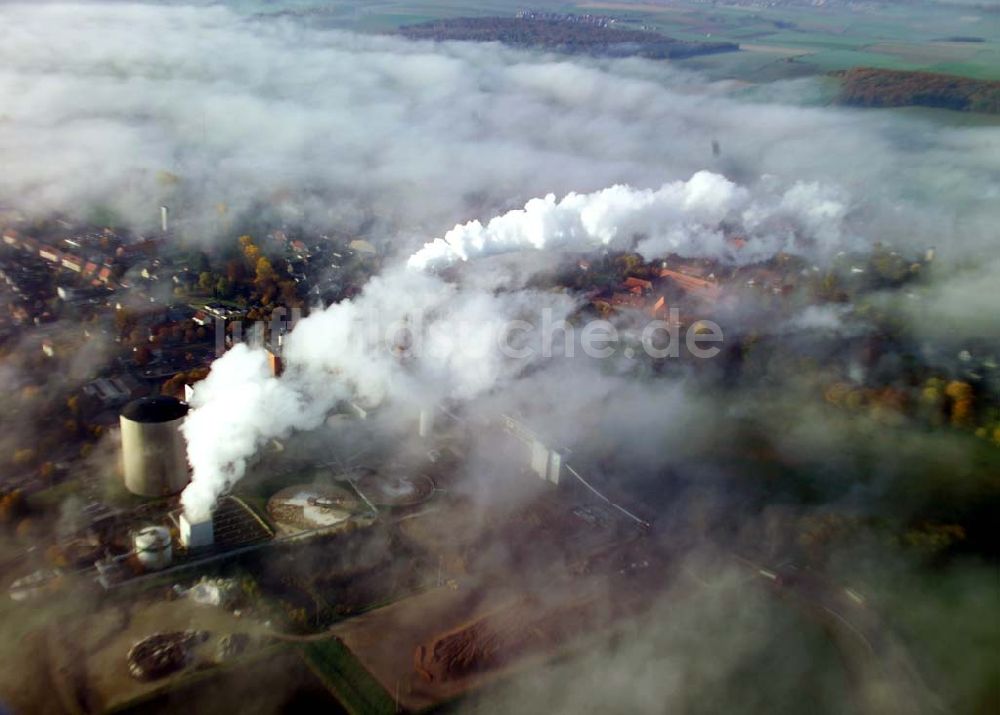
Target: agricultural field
[819, 40]
[777, 43]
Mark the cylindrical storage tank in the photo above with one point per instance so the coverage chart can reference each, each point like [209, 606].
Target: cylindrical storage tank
[154, 458]
[152, 547]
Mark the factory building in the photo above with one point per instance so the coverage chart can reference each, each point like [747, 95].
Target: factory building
[545, 462]
[196, 534]
[154, 459]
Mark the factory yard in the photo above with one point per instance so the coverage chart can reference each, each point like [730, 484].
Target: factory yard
[472, 632]
[518, 582]
[473, 581]
[88, 656]
[414, 622]
[403, 577]
[399, 579]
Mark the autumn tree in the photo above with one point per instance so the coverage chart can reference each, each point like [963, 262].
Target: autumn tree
[932, 400]
[12, 506]
[960, 394]
[124, 321]
[25, 455]
[629, 262]
[223, 287]
[234, 271]
[289, 294]
[250, 250]
[265, 271]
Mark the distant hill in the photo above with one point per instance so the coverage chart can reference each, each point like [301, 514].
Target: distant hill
[562, 36]
[870, 87]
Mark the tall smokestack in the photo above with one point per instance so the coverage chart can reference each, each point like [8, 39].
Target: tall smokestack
[274, 350]
[425, 426]
[274, 362]
[164, 225]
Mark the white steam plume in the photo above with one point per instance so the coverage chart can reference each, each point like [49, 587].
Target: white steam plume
[236, 409]
[411, 338]
[407, 340]
[681, 217]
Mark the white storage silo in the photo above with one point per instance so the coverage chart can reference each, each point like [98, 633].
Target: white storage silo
[152, 547]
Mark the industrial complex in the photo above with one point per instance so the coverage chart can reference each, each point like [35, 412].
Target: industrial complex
[319, 559]
[381, 553]
[397, 555]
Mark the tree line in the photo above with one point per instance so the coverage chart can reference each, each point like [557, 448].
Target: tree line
[872, 87]
[562, 36]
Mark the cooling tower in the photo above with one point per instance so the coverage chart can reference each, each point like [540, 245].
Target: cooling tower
[153, 452]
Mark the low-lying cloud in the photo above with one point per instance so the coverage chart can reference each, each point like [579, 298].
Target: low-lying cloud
[214, 113]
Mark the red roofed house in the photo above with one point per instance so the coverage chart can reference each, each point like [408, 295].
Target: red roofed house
[628, 300]
[638, 285]
[700, 286]
[146, 246]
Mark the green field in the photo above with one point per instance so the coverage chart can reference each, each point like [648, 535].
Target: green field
[824, 40]
[776, 43]
[780, 42]
[355, 688]
[818, 41]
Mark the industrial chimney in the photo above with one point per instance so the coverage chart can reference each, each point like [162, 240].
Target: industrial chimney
[154, 458]
[274, 361]
[425, 422]
[163, 218]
